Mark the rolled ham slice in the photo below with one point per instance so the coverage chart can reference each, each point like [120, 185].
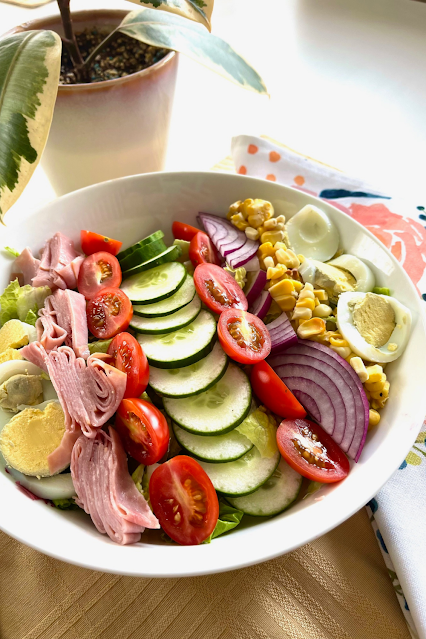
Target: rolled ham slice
[106, 491]
[63, 319]
[89, 395]
[58, 266]
[28, 264]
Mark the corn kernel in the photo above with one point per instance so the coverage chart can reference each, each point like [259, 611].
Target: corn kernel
[252, 234]
[239, 221]
[272, 236]
[306, 303]
[315, 326]
[339, 342]
[286, 302]
[280, 245]
[297, 285]
[306, 294]
[233, 209]
[276, 272]
[269, 262]
[343, 351]
[282, 257]
[375, 387]
[266, 248]
[321, 295]
[280, 219]
[301, 313]
[359, 368]
[270, 224]
[255, 220]
[374, 373]
[301, 258]
[321, 310]
[284, 287]
[245, 208]
[373, 418]
[279, 227]
[380, 393]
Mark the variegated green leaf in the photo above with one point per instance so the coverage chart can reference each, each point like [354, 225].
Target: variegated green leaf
[197, 10]
[161, 29]
[29, 73]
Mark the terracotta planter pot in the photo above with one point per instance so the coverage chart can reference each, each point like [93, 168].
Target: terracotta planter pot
[107, 129]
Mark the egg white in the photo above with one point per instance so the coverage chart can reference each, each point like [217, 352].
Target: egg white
[359, 345]
[365, 280]
[313, 234]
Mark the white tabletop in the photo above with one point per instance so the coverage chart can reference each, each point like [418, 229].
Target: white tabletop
[346, 77]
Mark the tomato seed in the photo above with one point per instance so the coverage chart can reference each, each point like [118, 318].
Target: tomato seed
[218, 294]
[106, 270]
[255, 341]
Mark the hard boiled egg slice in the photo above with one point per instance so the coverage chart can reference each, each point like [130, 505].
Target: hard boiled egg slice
[313, 234]
[376, 327]
[362, 273]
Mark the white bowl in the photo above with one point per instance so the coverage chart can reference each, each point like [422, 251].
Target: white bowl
[130, 208]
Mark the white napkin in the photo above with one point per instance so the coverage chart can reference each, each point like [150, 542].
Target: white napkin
[398, 513]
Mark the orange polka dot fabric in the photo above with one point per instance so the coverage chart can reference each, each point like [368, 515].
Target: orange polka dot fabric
[401, 226]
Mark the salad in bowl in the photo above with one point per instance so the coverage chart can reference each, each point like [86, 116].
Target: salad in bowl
[189, 385]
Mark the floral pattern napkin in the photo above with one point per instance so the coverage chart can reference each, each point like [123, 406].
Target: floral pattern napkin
[398, 512]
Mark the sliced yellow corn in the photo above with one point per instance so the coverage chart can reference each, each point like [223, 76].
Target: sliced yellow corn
[314, 326]
[320, 294]
[374, 373]
[373, 418]
[284, 287]
[286, 302]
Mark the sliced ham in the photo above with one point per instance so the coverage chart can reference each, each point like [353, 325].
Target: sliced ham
[59, 264]
[28, 264]
[106, 491]
[63, 319]
[61, 456]
[89, 395]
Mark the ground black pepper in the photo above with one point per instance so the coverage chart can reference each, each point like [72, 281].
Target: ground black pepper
[122, 56]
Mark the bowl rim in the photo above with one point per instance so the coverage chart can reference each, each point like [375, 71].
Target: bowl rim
[113, 557]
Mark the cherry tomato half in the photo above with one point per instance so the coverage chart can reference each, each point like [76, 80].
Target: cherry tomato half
[217, 289]
[182, 231]
[243, 336]
[129, 357]
[143, 430]
[109, 313]
[273, 393]
[98, 271]
[201, 250]
[184, 500]
[308, 449]
[93, 243]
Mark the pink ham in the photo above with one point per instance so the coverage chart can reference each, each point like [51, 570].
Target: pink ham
[54, 269]
[63, 319]
[106, 491]
[61, 456]
[28, 264]
[89, 395]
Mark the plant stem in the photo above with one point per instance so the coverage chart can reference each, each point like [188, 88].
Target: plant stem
[70, 40]
[88, 61]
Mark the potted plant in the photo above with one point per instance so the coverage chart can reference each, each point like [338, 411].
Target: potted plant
[111, 116]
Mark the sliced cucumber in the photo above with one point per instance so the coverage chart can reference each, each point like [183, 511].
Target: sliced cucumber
[182, 347]
[243, 476]
[169, 255]
[274, 496]
[217, 448]
[217, 410]
[143, 254]
[168, 323]
[156, 284]
[181, 298]
[158, 235]
[190, 380]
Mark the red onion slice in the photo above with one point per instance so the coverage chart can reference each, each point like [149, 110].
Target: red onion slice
[261, 305]
[244, 254]
[282, 334]
[253, 265]
[254, 286]
[228, 239]
[308, 403]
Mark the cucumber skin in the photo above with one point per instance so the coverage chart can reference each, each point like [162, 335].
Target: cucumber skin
[219, 432]
[254, 489]
[157, 299]
[157, 235]
[225, 368]
[143, 254]
[163, 331]
[171, 256]
[184, 362]
[209, 461]
[140, 314]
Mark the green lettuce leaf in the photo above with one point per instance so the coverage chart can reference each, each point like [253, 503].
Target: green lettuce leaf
[100, 346]
[261, 429]
[239, 274]
[65, 504]
[22, 302]
[229, 517]
[12, 251]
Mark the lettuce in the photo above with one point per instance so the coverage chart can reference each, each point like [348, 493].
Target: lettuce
[66, 504]
[239, 274]
[12, 251]
[22, 302]
[229, 517]
[261, 429]
[100, 346]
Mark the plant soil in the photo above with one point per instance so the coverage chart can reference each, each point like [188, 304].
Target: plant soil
[122, 56]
